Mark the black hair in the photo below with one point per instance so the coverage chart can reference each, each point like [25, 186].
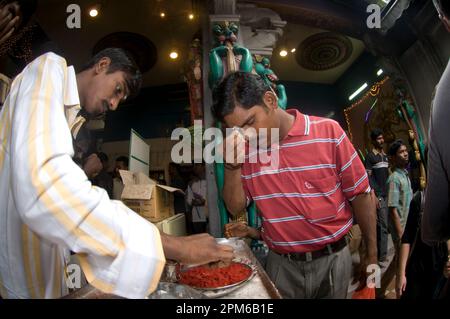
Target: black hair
[120, 61]
[103, 157]
[444, 6]
[393, 148]
[123, 159]
[375, 133]
[241, 89]
[27, 8]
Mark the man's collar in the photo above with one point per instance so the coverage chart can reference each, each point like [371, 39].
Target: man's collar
[72, 103]
[402, 170]
[376, 152]
[301, 125]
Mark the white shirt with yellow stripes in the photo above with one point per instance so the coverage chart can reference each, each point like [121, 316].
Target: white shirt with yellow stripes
[48, 207]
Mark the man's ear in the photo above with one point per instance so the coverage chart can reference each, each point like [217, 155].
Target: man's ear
[102, 65]
[271, 100]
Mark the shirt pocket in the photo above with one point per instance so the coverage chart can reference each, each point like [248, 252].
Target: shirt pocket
[321, 198]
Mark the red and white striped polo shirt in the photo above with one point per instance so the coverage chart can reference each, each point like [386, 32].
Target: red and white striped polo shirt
[304, 200]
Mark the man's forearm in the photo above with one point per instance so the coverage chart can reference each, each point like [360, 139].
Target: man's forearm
[172, 247]
[365, 213]
[254, 233]
[404, 253]
[396, 220]
[233, 191]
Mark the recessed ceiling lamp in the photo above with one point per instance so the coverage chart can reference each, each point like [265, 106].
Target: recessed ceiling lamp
[293, 50]
[93, 12]
[162, 14]
[173, 55]
[283, 53]
[191, 16]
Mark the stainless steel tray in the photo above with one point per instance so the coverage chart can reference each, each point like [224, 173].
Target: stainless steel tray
[221, 291]
[167, 290]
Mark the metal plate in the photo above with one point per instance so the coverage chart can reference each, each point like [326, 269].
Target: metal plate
[167, 290]
[245, 263]
[233, 241]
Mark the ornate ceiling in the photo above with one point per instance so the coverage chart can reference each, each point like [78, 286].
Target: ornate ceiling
[323, 51]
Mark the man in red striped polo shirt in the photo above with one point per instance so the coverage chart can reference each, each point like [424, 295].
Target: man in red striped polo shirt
[307, 196]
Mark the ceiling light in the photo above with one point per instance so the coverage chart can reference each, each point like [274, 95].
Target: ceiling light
[191, 16]
[283, 53]
[93, 12]
[362, 88]
[162, 15]
[173, 55]
[380, 71]
[293, 50]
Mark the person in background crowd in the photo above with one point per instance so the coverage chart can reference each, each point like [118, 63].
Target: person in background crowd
[92, 166]
[377, 166]
[104, 179]
[196, 199]
[177, 181]
[121, 165]
[420, 266]
[417, 277]
[399, 190]
[399, 199]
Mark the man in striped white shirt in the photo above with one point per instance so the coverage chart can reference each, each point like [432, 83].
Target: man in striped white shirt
[305, 195]
[47, 205]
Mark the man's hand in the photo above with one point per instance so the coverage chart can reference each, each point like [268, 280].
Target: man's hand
[400, 285]
[198, 200]
[400, 232]
[375, 199]
[92, 166]
[233, 190]
[362, 274]
[377, 202]
[203, 249]
[9, 22]
[233, 150]
[237, 230]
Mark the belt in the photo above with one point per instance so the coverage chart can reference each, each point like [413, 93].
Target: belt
[326, 251]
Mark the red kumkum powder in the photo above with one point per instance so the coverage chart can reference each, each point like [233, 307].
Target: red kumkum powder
[205, 277]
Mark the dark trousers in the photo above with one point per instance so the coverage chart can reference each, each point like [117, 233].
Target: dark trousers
[382, 229]
[327, 277]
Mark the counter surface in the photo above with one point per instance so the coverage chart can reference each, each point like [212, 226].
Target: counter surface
[259, 287]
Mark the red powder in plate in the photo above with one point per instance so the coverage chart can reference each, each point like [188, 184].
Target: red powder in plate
[205, 277]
